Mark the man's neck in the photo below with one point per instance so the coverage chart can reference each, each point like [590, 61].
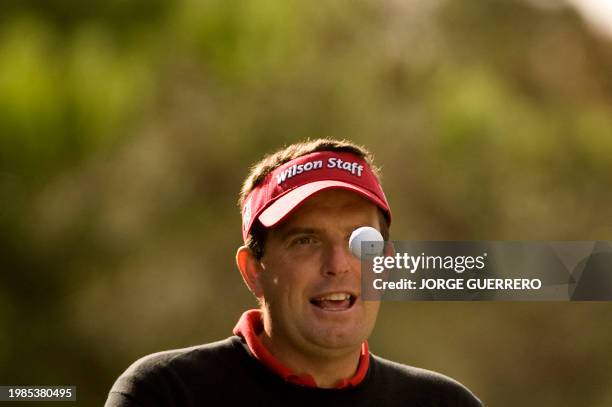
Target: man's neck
[326, 370]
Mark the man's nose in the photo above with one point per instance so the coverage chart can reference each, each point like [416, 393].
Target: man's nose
[337, 259]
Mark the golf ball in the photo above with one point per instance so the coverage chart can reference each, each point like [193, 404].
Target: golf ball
[374, 242]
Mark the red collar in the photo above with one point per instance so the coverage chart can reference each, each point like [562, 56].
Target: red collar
[250, 325]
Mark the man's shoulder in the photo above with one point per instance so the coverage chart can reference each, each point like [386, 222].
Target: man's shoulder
[412, 373]
[428, 384]
[185, 358]
[159, 376]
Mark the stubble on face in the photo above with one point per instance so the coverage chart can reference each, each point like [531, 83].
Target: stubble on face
[307, 268]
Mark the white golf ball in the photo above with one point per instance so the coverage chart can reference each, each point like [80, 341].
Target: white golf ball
[374, 242]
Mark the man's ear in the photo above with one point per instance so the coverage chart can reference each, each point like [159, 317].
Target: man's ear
[250, 269]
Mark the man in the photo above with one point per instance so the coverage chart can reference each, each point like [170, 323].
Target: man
[307, 343]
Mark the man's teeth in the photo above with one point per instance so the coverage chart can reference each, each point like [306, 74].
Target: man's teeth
[335, 297]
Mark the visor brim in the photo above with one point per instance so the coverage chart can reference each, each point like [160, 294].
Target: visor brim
[281, 208]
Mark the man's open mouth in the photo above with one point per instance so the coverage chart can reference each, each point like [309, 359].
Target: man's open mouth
[334, 301]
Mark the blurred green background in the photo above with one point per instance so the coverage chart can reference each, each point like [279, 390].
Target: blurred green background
[126, 128]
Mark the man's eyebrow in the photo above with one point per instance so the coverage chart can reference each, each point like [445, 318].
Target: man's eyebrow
[351, 228]
[310, 230]
[298, 230]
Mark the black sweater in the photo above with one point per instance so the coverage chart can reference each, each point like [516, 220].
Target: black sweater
[225, 373]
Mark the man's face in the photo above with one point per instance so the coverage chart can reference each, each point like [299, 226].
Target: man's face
[310, 280]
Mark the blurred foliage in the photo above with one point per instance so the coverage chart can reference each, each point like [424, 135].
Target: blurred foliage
[126, 128]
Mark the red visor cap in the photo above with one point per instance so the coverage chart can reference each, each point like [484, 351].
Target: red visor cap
[285, 188]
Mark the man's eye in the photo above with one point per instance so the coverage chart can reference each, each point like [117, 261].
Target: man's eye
[304, 240]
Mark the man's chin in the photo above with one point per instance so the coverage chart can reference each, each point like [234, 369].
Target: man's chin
[338, 339]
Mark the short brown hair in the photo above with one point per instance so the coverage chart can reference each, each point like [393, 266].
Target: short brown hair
[259, 171]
